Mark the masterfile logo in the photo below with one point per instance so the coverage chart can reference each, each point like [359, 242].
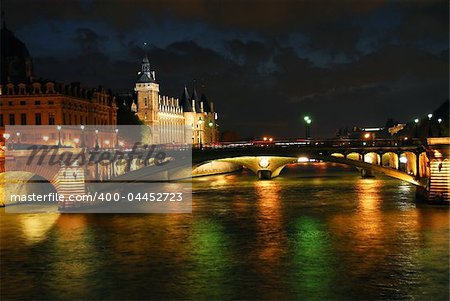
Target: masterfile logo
[98, 169]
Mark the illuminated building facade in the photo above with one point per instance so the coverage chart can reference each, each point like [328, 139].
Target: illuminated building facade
[26, 101]
[171, 115]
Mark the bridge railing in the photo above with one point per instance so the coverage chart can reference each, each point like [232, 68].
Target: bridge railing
[338, 143]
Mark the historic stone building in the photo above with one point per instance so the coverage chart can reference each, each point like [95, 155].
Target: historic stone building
[27, 101]
[171, 116]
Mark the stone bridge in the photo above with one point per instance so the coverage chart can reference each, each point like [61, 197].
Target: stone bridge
[426, 166]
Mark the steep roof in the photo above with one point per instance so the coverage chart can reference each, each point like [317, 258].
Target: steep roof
[195, 100]
[206, 105]
[146, 76]
[186, 101]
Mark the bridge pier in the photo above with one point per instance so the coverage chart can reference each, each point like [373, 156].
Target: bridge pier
[367, 173]
[264, 174]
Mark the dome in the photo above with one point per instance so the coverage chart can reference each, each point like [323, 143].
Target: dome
[16, 63]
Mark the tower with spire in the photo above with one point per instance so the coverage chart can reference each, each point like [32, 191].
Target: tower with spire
[169, 116]
[147, 91]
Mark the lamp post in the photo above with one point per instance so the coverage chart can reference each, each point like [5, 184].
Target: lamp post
[6, 136]
[82, 135]
[308, 121]
[416, 123]
[18, 138]
[430, 133]
[96, 139]
[200, 121]
[59, 135]
[440, 128]
[211, 124]
[117, 137]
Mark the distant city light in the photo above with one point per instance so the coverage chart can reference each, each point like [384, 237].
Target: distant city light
[440, 120]
[372, 129]
[367, 135]
[265, 138]
[270, 139]
[430, 115]
[416, 120]
[303, 159]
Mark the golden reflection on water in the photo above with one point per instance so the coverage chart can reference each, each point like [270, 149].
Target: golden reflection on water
[369, 213]
[36, 226]
[270, 234]
[74, 252]
[270, 238]
[373, 234]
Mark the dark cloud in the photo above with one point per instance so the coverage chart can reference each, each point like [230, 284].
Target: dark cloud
[88, 40]
[265, 63]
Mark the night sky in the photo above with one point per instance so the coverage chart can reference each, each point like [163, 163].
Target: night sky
[264, 63]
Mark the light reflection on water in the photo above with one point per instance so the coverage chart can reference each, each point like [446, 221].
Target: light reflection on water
[315, 233]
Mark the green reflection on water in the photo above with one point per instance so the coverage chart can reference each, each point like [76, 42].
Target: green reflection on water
[312, 264]
[210, 259]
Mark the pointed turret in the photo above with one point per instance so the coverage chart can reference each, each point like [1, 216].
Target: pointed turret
[185, 100]
[146, 75]
[195, 100]
[205, 102]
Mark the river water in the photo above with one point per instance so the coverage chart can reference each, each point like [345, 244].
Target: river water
[318, 232]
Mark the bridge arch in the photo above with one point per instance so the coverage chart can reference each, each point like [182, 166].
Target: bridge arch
[389, 159]
[372, 157]
[407, 162]
[21, 182]
[354, 156]
[338, 155]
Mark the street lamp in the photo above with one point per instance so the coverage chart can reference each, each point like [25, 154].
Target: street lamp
[308, 121]
[430, 132]
[58, 127]
[82, 135]
[211, 124]
[200, 121]
[6, 136]
[18, 137]
[117, 137]
[416, 122]
[96, 139]
[440, 121]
